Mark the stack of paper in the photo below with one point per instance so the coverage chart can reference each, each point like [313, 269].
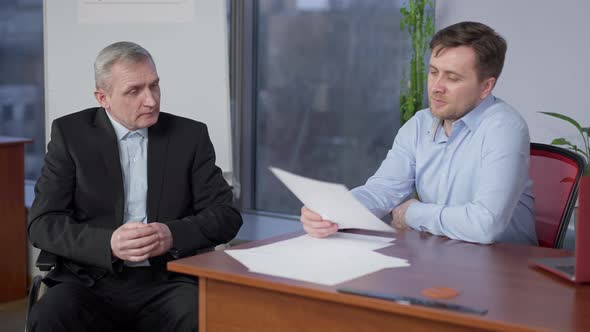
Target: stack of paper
[328, 261]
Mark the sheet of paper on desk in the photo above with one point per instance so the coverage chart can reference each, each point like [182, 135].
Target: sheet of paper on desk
[332, 201]
[329, 261]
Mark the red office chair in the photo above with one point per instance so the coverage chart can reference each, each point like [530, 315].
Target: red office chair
[555, 173]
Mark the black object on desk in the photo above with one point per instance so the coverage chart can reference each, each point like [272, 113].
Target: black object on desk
[415, 301]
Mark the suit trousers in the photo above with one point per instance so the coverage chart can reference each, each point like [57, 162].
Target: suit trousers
[137, 299]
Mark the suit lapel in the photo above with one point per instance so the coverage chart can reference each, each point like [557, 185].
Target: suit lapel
[109, 148]
[157, 156]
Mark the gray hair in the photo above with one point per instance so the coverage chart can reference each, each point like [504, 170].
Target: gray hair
[120, 51]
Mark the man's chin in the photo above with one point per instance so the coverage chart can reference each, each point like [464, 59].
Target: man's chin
[438, 112]
[148, 120]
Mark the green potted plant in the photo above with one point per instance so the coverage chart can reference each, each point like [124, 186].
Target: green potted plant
[584, 187]
[418, 20]
[584, 132]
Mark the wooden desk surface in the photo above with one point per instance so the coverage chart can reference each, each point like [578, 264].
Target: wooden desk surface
[496, 277]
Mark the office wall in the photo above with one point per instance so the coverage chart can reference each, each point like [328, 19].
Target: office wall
[188, 40]
[546, 66]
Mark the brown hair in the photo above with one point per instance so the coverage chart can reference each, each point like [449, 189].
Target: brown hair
[489, 46]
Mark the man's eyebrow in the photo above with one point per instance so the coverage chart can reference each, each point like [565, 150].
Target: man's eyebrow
[448, 72]
[136, 86]
[132, 86]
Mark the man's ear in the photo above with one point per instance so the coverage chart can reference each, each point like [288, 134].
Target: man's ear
[102, 98]
[487, 86]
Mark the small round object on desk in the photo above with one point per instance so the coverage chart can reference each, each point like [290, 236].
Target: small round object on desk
[440, 292]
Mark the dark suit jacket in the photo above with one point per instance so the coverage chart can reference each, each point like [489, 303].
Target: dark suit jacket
[79, 197]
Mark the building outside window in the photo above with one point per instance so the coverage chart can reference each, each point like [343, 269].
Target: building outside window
[21, 78]
[325, 80]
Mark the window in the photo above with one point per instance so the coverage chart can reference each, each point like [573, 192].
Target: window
[315, 87]
[21, 82]
[7, 114]
[29, 113]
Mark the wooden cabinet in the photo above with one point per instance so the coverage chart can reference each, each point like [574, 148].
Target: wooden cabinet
[13, 241]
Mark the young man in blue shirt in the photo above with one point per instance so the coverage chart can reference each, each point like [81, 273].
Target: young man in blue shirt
[467, 156]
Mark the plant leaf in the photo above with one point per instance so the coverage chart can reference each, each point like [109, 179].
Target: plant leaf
[565, 118]
[560, 141]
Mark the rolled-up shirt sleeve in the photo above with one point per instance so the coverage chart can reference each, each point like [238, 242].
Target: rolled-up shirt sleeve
[394, 180]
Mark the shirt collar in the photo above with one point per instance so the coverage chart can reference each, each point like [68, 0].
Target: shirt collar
[471, 120]
[123, 132]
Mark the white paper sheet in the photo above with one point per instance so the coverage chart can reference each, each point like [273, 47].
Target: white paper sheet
[306, 245]
[327, 261]
[332, 201]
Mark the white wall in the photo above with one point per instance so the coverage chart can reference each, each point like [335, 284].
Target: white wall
[547, 63]
[189, 47]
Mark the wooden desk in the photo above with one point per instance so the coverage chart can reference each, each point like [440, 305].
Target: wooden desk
[13, 241]
[497, 277]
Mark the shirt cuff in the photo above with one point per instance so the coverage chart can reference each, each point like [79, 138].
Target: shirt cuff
[424, 217]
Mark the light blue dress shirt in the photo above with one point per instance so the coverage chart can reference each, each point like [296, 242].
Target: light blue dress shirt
[473, 186]
[133, 157]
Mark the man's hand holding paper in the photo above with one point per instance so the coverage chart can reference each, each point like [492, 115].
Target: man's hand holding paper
[328, 206]
[315, 226]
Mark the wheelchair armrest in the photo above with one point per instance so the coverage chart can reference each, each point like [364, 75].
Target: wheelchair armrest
[33, 298]
[46, 261]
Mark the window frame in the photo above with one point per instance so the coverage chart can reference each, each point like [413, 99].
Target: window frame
[243, 85]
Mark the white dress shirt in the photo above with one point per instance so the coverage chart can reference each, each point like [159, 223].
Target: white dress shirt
[133, 157]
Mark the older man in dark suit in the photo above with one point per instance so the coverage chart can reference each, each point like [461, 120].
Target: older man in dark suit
[124, 189]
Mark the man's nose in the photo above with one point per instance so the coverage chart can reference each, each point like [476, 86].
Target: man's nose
[149, 98]
[437, 86]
